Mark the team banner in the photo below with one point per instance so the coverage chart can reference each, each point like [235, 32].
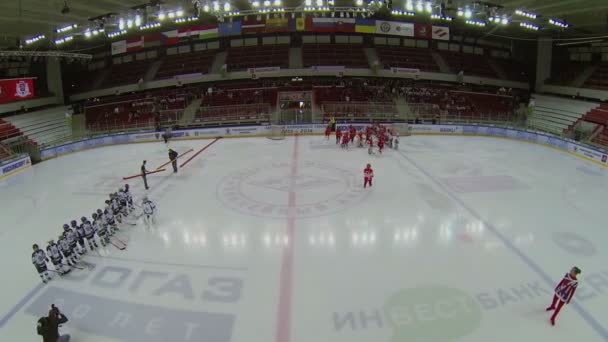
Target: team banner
[119, 47]
[441, 33]
[16, 89]
[422, 31]
[395, 28]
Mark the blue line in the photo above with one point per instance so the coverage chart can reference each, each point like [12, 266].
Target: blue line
[231, 268]
[21, 303]
[526, 259]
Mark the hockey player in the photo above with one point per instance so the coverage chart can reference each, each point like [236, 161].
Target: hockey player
[380, 144]
[70, 255]
[564, 291]
[110, 222]
[116, 209]
[352, 133]
[370, 145]
[72, 238]
[53, 251]
[338, 135]
[360, 138]
[79, 232]
[39, 260]
[149, 210]
[89, 233]
[101, 228]
[327, 132]
[396, 143]
[368, 174]
[345, 139]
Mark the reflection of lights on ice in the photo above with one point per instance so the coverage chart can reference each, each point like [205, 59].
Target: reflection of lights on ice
[331, 240]
[312, 240]
[355, 238]
[267, 239]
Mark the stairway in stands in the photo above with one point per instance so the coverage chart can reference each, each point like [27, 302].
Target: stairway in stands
[599, 116]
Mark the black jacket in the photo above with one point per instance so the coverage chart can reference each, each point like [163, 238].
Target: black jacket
[172, 155]
[52, 327]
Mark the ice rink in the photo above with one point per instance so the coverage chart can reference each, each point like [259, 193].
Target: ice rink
[459, 239]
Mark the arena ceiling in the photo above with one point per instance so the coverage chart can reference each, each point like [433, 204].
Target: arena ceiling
[27, 18]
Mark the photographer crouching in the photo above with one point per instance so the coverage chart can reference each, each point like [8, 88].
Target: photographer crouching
[48, 327]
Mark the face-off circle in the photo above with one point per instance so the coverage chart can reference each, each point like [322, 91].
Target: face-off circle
[320, 189]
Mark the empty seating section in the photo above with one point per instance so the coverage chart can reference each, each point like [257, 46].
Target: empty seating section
[599, 79]
[7, 130]
[238, 105]
[513, 69]
[137, 110]
[44, 126]
[565, 73]
[186, 63]
[471, 64]
[403, 57]
[461, 105]
[126, 73]
[235, 114]
[346, 103]
[351, 56]
[242, 58]
[554, 114]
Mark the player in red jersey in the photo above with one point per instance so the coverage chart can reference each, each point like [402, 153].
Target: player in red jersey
[338, 135]
[564, 291]
[327, 132]
[370, 145]
[353, 133]
[345, 139]
[368, 174]
[360, 138]
[380, 144]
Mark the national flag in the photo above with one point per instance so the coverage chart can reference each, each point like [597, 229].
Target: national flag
[135, 44]
[441, 33]
[365, 25]
[119, 47]
[170, 37]
[277, 25]
[323, 25]
[300, 24]
[395, 28]
[252, 26]
[208, 32]
[422, 31]
[345, 24]
[230, 29]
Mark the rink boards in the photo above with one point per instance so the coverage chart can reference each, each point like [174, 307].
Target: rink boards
[586, 152]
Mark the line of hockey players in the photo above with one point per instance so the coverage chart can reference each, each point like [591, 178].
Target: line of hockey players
[376, 135]
[78, 239]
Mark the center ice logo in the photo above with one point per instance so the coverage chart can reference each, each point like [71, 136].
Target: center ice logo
[320, 189]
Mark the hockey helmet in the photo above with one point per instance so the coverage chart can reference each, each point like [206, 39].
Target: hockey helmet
[35, 247]
[65, 226]
[73, 223]
[369, 165]
[99, 211]
[576, 270]
[83, 219]
[94, 215]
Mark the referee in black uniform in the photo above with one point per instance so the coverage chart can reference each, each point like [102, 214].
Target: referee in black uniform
[173, 159]
[143, 174]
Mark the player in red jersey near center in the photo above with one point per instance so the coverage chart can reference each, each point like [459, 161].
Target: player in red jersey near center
[338, 135]
[327, 132]
[380, 144]
[345, 138]
[564, 291]
[368, 174]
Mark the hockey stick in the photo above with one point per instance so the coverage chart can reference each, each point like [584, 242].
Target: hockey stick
[169, 162]
[122, 248]
[77, 267]
[139, 175]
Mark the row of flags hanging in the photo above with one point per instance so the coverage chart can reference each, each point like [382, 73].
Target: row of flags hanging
[277, 25]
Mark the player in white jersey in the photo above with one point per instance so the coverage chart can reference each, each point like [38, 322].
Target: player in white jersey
[56, 257]
[89, 233]
[79, 234]
[39, 260]
[109, 220]
[129, 197]
[101, 228]
[149, 210]
[66, 249]
[72, 238]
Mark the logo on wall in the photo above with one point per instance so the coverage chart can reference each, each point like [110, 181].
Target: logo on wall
[227, 131]
[23, 89]
[385, 27]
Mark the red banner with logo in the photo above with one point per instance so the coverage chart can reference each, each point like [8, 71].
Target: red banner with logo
[16, 89]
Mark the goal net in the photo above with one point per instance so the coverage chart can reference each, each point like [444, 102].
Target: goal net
[276, 132]
[401, 129]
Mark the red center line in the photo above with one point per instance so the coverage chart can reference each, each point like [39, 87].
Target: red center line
[286, 286]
